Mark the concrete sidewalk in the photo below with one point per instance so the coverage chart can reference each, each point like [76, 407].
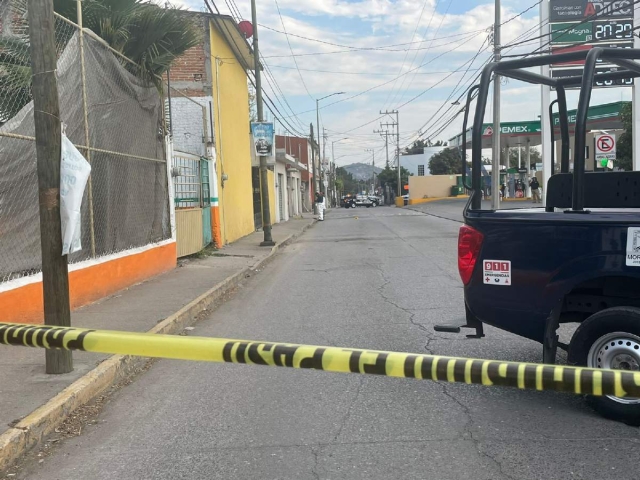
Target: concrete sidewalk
[166, 303]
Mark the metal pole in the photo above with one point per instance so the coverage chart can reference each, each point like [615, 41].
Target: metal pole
[323, 172]
[264, 175]
[495, 171]
[319, 144]
[527, 187]
[635, 103]
[398, 152]
[48, 133]
[386, 146]
[83, 81]
[313, 168]
[545, 99]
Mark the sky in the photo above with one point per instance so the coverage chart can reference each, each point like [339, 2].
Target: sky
[416, 56]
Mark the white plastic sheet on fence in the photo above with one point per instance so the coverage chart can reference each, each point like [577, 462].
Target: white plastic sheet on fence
[74, 173]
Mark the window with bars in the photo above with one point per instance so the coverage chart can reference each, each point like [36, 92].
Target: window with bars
[421, 170]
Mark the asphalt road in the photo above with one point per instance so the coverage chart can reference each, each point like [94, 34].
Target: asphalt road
[375, 278]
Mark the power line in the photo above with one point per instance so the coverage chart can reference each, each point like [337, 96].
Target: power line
[273, 107]
[291, 50]
[476, 32]
[271, 80]
[339, 72]
[411, 78]
[406, 54]
[390, 81]
[380, 47]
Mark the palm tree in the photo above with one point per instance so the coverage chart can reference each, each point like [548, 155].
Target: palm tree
[151, 36]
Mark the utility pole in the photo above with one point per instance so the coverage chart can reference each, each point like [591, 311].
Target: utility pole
[333, 166]
[373, 164]
[314, 169]
[397, 124]
[495, 172]
[264, 176]
[385, 134]
[48, 130]
[318, 125]
[323, 172]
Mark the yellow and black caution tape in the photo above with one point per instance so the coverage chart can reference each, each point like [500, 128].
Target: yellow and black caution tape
[533, 376]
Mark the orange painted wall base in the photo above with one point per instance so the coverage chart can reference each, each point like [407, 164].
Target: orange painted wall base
[25, 304]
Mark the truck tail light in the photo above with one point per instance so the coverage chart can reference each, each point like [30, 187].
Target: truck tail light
[469, 243]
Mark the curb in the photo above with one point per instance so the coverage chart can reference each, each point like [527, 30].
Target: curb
[30, 431]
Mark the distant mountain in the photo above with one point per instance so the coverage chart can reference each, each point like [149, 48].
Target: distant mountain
[361, 171]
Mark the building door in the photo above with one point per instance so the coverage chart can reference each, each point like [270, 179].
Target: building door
[281, 187]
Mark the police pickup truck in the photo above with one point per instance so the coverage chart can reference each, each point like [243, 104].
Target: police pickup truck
[577, 259]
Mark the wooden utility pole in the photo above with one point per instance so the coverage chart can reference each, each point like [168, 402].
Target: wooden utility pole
[55, 274]
[267, 240]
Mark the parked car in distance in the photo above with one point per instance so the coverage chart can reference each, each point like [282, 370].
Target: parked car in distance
[375, 201]
[364, 201]
[348, 202]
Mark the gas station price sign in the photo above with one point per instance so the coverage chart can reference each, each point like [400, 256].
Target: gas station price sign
[612, 29]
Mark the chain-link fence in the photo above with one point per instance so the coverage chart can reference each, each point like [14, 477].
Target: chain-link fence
[111, 114]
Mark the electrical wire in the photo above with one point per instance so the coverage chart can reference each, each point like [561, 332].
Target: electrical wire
[380, 47]
[412, 77]
[270, 104]
[406, 54]
[291, 50]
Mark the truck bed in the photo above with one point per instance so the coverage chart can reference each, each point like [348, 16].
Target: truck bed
[551, 255]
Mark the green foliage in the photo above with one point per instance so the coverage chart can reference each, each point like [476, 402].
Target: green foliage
[446, 162]
[418, 146]
[151, 36]
[345, 182]
[389, 176]
[513, 157]
[624, 148]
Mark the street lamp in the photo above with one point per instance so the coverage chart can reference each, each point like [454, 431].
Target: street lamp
[319, 134]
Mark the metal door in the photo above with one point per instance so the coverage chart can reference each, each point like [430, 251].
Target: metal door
[281, 187]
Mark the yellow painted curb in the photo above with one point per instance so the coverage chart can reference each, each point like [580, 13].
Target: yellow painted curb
[33, 428]
[416, 201]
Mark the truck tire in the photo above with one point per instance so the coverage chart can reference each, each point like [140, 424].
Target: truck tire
[610, 339]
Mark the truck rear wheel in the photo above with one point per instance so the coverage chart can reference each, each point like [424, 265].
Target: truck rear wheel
[610, 339]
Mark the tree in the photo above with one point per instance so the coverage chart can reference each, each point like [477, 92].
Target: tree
[345, 181]
[446, 162]
[389, 176]
[151, 36]
[419, 145]
[513, 157]
[624, 149]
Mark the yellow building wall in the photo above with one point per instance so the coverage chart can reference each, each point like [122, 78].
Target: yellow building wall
[433, 186]
[233, 141]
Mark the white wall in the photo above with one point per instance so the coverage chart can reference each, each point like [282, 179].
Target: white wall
[411, 162]
[187, 124]
[280, 169]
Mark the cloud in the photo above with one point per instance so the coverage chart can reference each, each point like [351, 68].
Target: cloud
[369, 24]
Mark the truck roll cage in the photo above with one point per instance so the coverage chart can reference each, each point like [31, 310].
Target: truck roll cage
[623, 184]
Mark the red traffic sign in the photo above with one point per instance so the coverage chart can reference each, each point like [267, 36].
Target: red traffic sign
[605, 143]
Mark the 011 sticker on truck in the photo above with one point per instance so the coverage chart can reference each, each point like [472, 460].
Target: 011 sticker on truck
[633, 247]
[497, 272]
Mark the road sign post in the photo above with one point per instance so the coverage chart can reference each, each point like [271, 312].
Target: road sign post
[605, 148]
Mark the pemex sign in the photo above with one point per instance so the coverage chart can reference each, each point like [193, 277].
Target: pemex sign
[512, 128]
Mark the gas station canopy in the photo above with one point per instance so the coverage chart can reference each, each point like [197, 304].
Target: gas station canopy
[514, 134]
